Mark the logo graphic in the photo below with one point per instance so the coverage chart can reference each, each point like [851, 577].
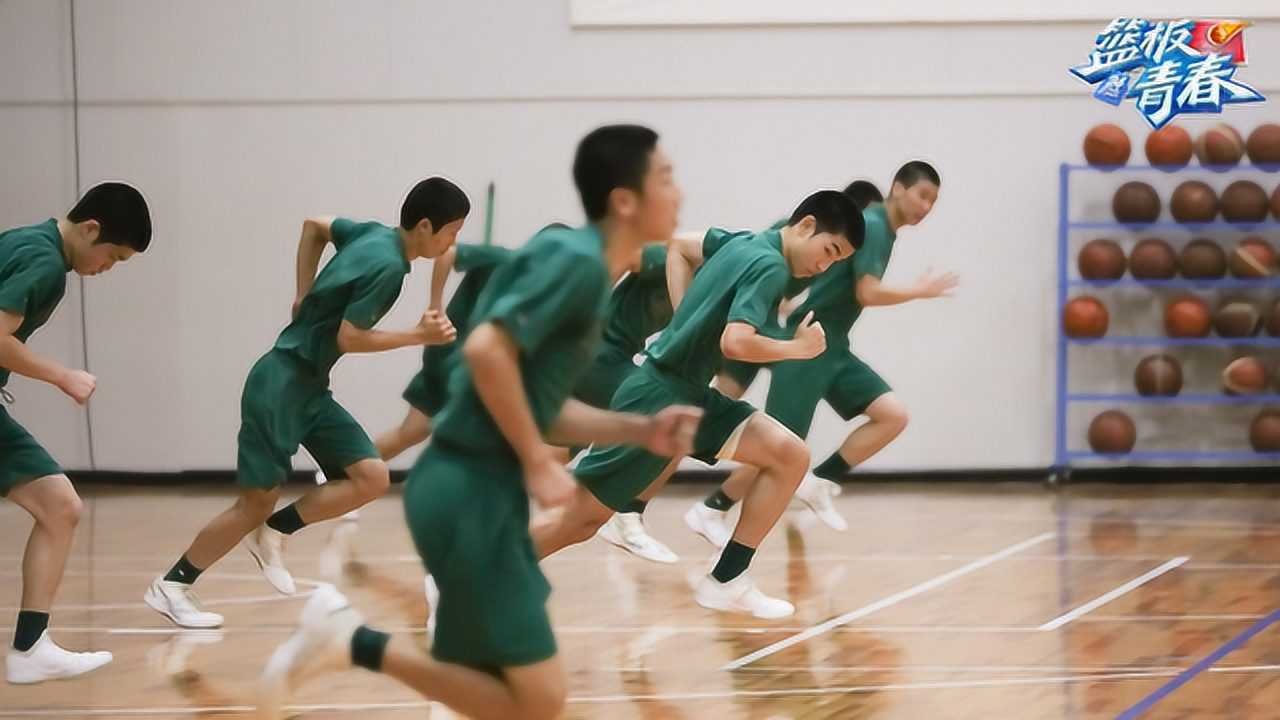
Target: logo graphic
[1169, 68]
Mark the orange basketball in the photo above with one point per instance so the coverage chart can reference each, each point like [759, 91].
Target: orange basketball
[1263, 145]
[1187, 317]
[1106, 144]
[1112, 432]
[1085, 317]
[1169, 147]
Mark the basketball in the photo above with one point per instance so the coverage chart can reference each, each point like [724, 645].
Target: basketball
[1203, 259]
[1245, 376]
[1085, 317]
[1187, 317]
[1244, 202]
[1102, 259]
[1264, 146]
[1158, 375]
[1169, 147]
[1153, 259]
[1220, 146]
[1264, 431]
[1135, 202]
[1106, 145]
[1194, 202]
[1253, 257]
[1112, 432]
[1275, 204]
[1237, 319]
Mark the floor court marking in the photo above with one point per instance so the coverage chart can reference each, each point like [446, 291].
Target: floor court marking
[1107, 597]
[608, 699]
[889, 601]
[221, 602]
[1207, 663]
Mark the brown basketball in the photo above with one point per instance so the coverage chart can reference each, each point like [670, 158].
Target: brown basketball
[1106, 144]
[1169, 147]
[1153, 259]
[1237, 319]
[1264, 431]
[1220, 145]
[1194, 202]
[1112, 432]
[1135, 202]
[1253, 257]
[1273, 320]
[1085, 317]
[1243, 202]
[1158, 375]
[1275, 203]
[1187, 317]
[1264, 145]
[1203, 259]
[1102, 259]
[1244, 376]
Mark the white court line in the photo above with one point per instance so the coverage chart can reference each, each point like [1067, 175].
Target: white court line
[1101, 600]
[890, 601]
[606, 699]
[1170, 618]
[220, 602]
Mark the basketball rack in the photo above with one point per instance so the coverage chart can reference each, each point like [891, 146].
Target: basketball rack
[1071, 448]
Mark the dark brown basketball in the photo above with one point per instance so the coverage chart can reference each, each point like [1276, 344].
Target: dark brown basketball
[1102, 259]
[1112, 432]
[1169, 147]
[1263, 145]
[1203, 259]
[1187, 317]
[1244, 376]
[1194, 202]
[1085, 317]
[1243, 202]
[1253, 257]
[1220, 146]
[1237, 319]
[1273, 320]
[1264, 431]
[1135, 202]
[1158, 375]
[1153, 259]
[1106, 144]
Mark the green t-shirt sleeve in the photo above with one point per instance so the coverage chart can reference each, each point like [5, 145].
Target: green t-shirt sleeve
[549, 287]
[342, 231]
[871, 259]
[755, 299]
[653, 262]
[470, 257]
[374, 294]
[24, 280]
[715, 239]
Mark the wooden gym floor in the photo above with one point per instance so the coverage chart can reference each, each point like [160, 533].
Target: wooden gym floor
[941, 601]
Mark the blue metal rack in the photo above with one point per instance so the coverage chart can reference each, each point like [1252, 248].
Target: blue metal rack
[1065, 455]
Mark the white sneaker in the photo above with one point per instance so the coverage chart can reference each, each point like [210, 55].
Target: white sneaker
[711, 524]
[433, 601]
[267, 548]
[339, 551]
[178, 602]
[816, 494]
[740, 595]
[626, 530]
[46, 661]
[322, 643]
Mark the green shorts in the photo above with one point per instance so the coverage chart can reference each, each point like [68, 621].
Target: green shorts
[743, 373]
[468, 514]
[21, 457]
[838, 376]
[618, 473]
[284, 405]
[428, 390]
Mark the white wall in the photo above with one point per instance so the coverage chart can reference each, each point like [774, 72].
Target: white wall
[38, 182]
[239, 118]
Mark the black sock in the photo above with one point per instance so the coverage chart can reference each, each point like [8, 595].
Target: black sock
[833, 468]
[183, 572]
[719, 501]
[636, 506]
[286, 520]
[31, 625]
[367, 647]
[733, 561]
